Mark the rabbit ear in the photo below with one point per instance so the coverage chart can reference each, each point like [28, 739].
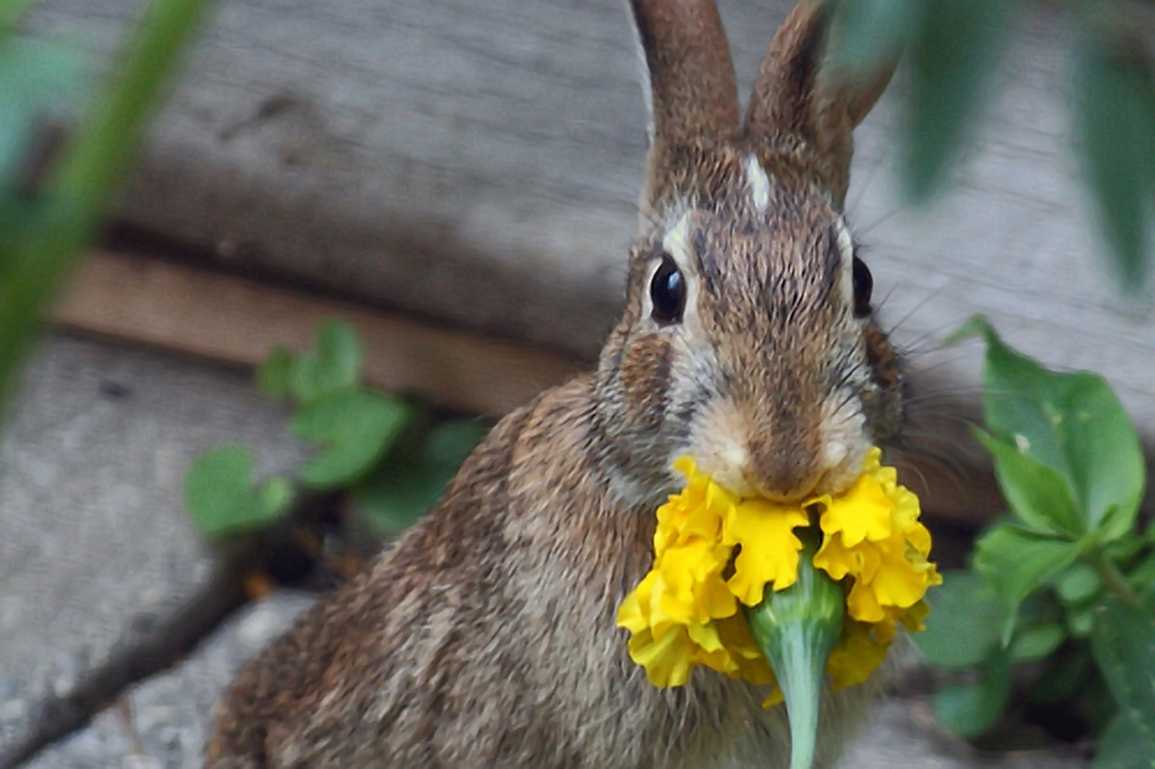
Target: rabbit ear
[794, 95]
[692, 95]
[692, 91]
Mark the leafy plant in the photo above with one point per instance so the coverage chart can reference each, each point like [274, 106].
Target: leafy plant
[1062, 589]
[954, 47]
[388, 455]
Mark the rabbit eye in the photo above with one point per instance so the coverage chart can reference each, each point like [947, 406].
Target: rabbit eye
[863, 286]
[668, 292]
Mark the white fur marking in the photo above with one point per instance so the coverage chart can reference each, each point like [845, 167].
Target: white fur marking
[759, 182]
[846, 248]
[833, 453]
[676, 243]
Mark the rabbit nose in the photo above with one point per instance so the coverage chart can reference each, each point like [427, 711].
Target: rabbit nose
[783, 474]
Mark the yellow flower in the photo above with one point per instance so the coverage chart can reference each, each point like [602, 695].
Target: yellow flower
[872, 534]
[713, 550]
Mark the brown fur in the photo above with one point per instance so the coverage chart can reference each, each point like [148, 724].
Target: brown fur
[486, 636]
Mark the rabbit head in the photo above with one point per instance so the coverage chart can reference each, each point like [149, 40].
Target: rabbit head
[748, 341]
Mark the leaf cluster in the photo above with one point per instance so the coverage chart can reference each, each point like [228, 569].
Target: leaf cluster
[388, 454]
[1062, 588]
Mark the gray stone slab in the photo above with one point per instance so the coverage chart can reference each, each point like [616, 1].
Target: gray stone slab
[92, 458]
[170, 714]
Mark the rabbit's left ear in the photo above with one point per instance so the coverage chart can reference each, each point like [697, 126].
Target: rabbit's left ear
[796, 95]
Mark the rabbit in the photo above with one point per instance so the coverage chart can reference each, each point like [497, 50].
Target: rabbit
[485, 637]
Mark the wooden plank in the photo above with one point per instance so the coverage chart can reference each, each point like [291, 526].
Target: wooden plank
[478, 163]
[239, 321]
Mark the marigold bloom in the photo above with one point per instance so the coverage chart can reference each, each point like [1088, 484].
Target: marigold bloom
[714, 551]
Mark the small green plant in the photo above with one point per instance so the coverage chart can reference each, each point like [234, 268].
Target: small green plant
[1061, 592]
[392, 457]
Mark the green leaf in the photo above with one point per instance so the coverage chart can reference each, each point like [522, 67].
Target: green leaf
[1123, 642]
[397, 496]
[1081, 621]
[955, 50]
[1035, 643]
[1078, 585]
[333, 365]
[1124, 745]
[1142, 575]
[402, 490]
[965, 621]
[972, 709]
[356, 428]
[866, 33]
[1073, 424]
[1018, 562]
[1038, 495]
[1116, 121]
[449, 443]
[220, 495]
[274, 375]
[36, 77]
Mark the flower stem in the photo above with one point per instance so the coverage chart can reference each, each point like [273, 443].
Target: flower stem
[796, 628]
[1114, 579]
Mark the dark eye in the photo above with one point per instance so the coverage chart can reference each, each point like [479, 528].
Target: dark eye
[863, 286]
[668, 292]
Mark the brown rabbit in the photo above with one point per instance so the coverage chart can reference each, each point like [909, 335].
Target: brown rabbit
[486, 637]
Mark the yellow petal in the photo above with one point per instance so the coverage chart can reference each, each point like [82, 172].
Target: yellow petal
[634, 613]
[834, 558]
[769, 554]
[751, 664]
[862, 605]
[857, 655]
[667, 658]
[864, 512]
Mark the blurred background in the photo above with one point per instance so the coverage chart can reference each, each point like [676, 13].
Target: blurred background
[352, 234]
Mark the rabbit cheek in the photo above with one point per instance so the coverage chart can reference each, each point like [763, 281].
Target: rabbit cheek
[645, 378]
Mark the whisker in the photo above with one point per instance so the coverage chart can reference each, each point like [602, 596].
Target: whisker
[918, 306]
[922, 370]
[882, 303]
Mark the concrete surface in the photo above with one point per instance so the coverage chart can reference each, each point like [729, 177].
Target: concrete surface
[94, 535]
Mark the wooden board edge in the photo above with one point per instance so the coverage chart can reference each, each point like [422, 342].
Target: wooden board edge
[236, 320]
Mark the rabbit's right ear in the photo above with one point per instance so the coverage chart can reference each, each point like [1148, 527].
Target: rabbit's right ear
[692, 94]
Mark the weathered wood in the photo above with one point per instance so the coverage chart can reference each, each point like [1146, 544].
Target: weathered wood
[479, 161]
[239, 321]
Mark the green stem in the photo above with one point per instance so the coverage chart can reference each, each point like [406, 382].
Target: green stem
[41, 243]
[1114, 579]
[796, 629]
